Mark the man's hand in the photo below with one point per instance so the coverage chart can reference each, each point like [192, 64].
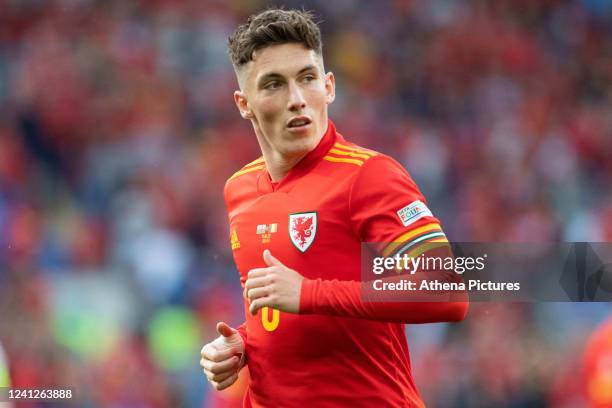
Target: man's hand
[276, 286]
[223, 357]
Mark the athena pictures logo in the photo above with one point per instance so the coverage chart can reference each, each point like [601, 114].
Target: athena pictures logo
[303, 229]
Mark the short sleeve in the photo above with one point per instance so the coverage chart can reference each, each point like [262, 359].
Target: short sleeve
[387, 208]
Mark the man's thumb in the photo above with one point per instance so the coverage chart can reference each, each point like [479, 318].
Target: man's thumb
[270, 260]
[224, 330]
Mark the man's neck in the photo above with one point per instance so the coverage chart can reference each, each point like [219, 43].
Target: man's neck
[278, 166]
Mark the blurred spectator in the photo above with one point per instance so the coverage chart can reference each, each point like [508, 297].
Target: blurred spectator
[5, 380]
[598, 367]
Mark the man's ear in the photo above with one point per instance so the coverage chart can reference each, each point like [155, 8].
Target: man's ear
[242, 105]
[330, 87]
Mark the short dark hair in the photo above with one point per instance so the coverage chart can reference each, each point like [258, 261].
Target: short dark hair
[273, 27]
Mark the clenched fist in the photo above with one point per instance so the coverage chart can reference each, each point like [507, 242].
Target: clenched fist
[223, 357]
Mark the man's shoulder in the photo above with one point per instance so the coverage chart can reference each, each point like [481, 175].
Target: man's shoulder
[360, 159]
[249, 168]
[343, 151]
[371, 173]
[238, 183]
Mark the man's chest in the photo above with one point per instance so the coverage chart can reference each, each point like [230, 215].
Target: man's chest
[308, 231]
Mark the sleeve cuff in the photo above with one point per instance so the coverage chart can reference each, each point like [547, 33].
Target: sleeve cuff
[242, 332]
[307, 295]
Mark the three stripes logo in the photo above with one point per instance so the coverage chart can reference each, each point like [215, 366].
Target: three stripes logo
[342, 153]
[255, 165]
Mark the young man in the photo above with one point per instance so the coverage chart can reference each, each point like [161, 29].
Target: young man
[298, 216]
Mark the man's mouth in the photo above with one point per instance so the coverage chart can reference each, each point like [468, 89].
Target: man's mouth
[298, 122]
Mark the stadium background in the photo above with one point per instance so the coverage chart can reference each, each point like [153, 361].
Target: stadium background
[118, 130]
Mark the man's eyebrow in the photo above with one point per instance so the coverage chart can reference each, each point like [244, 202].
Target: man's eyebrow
[275, 75]
[268, 76]
[307, 68]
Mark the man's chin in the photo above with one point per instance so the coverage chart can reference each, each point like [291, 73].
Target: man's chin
[298, 136]
[299, 146]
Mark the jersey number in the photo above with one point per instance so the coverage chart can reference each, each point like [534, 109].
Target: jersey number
[270, 323]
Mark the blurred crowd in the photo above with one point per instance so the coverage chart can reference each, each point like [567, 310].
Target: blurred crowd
[118, 130]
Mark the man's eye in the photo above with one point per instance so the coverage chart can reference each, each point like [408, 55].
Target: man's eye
[309, 78]
[272, 85]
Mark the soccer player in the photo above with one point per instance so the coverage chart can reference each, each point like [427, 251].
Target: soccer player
[298, 216]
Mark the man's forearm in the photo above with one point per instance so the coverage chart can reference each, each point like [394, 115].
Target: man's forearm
[345, 298]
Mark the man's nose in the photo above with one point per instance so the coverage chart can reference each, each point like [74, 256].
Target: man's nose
[296, 98]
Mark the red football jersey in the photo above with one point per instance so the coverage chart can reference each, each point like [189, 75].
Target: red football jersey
[338, 350]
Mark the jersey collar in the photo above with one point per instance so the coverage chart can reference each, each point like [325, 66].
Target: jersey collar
[264, 183]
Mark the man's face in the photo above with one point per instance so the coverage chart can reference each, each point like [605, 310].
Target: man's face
[285, 93]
